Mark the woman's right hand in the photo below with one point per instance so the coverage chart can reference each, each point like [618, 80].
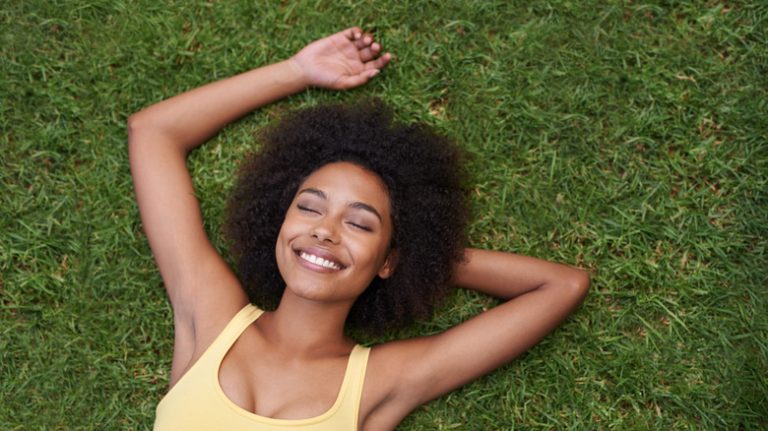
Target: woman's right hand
[341, 61]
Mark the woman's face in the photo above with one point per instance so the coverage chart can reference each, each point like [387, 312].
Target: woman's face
[335, 236]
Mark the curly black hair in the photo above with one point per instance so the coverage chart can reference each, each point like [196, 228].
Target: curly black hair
[423, 173]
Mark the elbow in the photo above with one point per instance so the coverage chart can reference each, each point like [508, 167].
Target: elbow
[140, 135]
[136, 122]
[578, 285]
[143, 128]
[569, 288]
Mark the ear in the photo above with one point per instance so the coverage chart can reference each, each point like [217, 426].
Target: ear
[389, 265]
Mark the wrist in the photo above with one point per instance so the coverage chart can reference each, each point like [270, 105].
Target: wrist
[295, 73]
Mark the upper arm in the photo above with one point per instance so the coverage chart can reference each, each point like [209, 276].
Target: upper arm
[197, 279]
[441, 363]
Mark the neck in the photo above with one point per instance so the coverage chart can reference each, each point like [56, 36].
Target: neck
[308, 328]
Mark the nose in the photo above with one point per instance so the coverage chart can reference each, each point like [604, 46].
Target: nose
[325, 231]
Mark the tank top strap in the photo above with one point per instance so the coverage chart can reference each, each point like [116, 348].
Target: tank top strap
[232, 331]
[358, 363]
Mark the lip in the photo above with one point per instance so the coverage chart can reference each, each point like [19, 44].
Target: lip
[319, 252]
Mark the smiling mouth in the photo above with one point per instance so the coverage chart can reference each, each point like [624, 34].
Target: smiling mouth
[319, 261]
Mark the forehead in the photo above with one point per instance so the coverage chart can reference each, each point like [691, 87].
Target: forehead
[349, 182]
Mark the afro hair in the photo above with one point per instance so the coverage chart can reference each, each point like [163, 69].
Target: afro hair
[422, 171]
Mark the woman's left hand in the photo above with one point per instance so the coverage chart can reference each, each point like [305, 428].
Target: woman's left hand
[341, 61]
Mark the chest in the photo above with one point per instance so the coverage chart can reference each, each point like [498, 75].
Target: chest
[262, 381]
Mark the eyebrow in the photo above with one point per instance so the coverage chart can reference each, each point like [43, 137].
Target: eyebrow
[356, 205]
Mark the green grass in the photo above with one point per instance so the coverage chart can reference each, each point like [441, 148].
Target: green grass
[626, 137]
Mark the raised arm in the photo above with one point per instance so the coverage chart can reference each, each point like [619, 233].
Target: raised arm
[509, 275]
[539, 294]
[199, 283]
[341, 61]
[159, 139]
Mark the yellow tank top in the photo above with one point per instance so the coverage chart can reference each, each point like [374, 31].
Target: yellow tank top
[197, 401]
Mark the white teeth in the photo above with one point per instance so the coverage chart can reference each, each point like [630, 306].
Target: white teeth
[317, 260]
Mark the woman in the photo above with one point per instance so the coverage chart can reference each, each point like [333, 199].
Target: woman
[236, 367]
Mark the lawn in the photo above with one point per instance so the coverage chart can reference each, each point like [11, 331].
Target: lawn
[628, 138]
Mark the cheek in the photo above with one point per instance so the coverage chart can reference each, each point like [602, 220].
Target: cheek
[283, 251]
[373, 250]
[287, 231]
[291, 226]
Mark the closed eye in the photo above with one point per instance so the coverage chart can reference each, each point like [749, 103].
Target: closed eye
[361, 227]
[307, 209]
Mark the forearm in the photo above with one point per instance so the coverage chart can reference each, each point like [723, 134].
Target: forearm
[508, 275]
[189, 119]
[540, 295]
